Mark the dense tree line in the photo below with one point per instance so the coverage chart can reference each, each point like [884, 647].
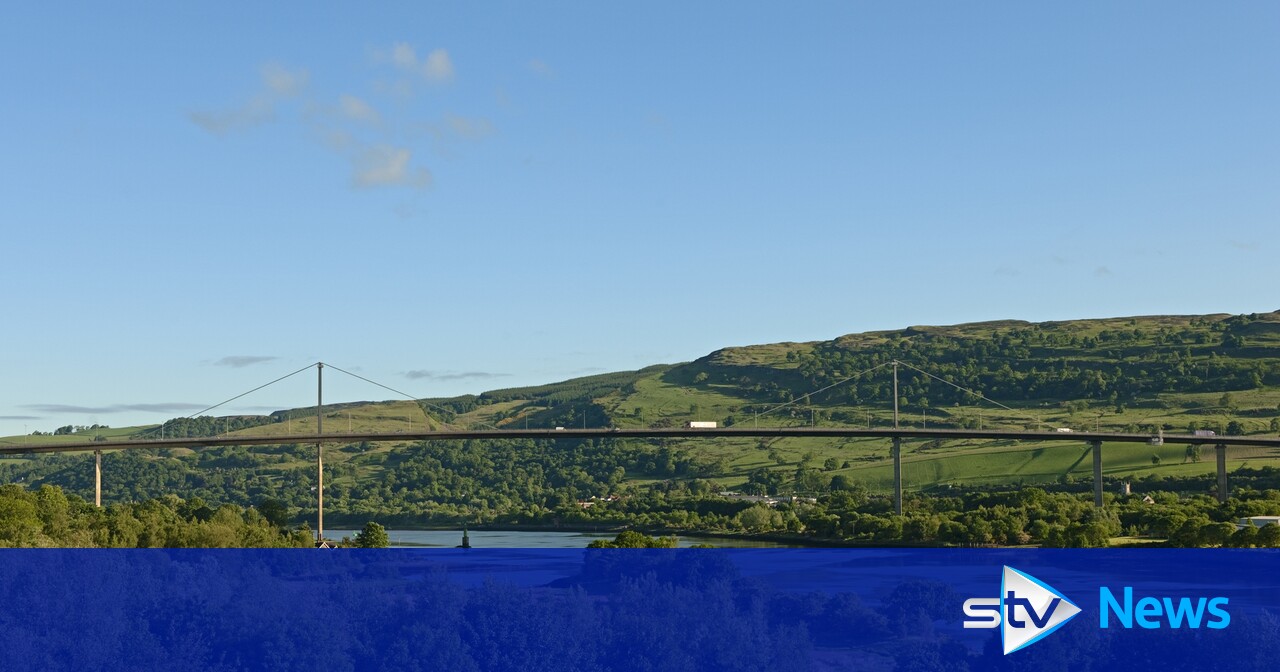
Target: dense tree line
[592, 484]
[206, 425]
[47, 517]
[441, 482]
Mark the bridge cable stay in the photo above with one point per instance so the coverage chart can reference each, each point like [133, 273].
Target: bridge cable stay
[224, 403]
[977, 394]
[406, 395]
[97, 453]
[808, 395]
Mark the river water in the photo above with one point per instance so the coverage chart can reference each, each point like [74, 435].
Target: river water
[529, 539]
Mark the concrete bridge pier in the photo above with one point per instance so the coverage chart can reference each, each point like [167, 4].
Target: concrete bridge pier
[1223, 492]
[1097, 473]
[896, 451]
[97, 478]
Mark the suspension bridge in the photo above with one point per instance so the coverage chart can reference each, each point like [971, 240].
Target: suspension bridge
[896, 435]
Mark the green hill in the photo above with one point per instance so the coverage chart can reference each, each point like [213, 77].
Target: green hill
[1154, 373]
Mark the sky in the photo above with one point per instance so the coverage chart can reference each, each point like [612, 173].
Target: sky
[454, 197]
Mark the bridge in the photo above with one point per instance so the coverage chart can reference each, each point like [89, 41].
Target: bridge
[895, 435]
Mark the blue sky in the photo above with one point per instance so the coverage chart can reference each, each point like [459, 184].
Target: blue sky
[448, 199]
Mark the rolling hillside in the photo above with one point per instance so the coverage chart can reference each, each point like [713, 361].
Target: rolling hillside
[1155, 373]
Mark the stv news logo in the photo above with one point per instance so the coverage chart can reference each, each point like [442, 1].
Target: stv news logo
[1026, 611]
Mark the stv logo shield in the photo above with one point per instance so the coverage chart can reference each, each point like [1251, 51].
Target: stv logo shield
[1026, 611]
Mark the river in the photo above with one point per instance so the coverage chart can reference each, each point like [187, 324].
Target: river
[531, 539]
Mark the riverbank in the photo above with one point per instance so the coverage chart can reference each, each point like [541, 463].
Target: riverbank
[538, 535]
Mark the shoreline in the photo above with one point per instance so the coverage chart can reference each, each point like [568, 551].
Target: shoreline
[807, 542]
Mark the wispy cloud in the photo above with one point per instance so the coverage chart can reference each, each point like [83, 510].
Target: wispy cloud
[384, 165]
[540, 68]
[436, 67]
[258, 110]
[421, 374]
[355, 109]
[1101, 272]
[1006, 272]
[241, 361]
[471, 128]
[19, 417]
[1246, 245]
[284, 82]
[278, 83]
[167, 407]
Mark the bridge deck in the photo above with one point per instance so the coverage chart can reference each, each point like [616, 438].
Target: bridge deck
[615, 433]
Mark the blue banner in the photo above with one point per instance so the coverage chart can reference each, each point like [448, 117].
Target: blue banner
[625, 609]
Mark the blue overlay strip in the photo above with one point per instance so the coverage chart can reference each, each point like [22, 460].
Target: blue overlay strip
[478, 610]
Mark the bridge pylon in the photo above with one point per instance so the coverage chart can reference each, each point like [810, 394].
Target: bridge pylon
[319, 452]
[1097, 472]
[1223, 491]
[896, 451]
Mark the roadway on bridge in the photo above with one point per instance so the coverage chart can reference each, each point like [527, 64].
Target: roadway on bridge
[673, 433]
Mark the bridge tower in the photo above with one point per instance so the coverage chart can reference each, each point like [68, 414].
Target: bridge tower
[896, 450]
[1097, 472]
[1223, 492]
[319, 452]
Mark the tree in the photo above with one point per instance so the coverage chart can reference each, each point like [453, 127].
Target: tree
[1268, 537]
[1226, 401]
[831, 464]
[634, 539]
[372, 536]
[759, 518]
[1245, 537]
[1155, 460]
[275, 512]
[1216, 534]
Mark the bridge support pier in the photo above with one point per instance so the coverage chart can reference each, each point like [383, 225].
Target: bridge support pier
[97, 478]
[896, 451]
[1223, 492]
[1097, 473]
[319, 453]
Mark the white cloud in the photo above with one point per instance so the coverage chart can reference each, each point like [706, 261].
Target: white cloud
[472, 128]
[259, 110]
[356, 109]
[384, 165]
[283, 82]
[278, 83]
[421, 374]
[403, 56]
[436, 67]
[241, 361]
[540, 68]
